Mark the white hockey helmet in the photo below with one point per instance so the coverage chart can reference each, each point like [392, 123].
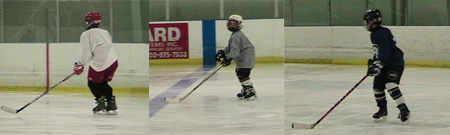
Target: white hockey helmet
[236, 18]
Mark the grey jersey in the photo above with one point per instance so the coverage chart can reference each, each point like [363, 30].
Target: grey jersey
[240, 50]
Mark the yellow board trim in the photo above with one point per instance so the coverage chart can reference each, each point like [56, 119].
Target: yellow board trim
[199, 61]
[75, 89]
[440, 64]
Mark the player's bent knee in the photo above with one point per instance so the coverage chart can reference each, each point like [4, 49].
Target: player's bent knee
[391, 85]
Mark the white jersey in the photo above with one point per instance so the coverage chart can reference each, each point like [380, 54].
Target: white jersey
[96, 45]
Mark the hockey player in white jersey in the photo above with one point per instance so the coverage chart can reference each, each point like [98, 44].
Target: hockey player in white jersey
[96, 46]
[241, 51]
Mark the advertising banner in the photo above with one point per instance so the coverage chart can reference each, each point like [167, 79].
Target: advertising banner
[168, 41]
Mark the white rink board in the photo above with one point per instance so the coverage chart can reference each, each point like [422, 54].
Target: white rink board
[266, 35]
[419, 43]
[24, 64]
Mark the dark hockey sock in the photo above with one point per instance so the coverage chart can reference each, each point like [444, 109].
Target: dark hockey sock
[243, 74]
[382, 104]
[96, 89]
[107, 90]
[380, 97]
[243, 79]
[395, 93]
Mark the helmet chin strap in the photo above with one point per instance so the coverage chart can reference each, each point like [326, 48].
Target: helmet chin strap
[233, 29]
[88, 25]
[368, 27]
[372, 27]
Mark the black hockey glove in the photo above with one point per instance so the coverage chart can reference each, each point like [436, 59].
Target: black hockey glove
[220, 54]
[374, 67]
[226, 62]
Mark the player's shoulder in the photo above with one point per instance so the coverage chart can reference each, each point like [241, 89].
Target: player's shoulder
[86, 32]
[238, 34]
[95, 30]
[383, 31]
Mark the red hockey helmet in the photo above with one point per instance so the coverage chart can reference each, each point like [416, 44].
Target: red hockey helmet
[93, 18]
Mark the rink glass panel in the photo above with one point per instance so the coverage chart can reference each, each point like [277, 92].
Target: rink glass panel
[350, 12]
[63, 21]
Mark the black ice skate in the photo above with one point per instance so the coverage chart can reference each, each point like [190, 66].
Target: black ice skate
[101, 106]
[111, 108]
[381, 115]
[250, 93]
[404, 115]
[241, 94]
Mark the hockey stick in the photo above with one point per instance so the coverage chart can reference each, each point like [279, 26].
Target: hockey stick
[10, 110]
[204, 80]
[311, 126]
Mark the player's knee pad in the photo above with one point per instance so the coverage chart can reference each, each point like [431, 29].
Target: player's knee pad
[391, 87]
[243, 74]
[393, 76]
[393, 90]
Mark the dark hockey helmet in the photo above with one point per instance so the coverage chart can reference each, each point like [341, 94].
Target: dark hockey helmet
[372, 16]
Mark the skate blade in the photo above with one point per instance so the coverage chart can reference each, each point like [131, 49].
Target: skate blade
[112, 112]
[102, 112]
[379, 120]
[251, 98]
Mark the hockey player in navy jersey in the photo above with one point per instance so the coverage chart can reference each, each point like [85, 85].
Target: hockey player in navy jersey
[387, 66]
[241, 51]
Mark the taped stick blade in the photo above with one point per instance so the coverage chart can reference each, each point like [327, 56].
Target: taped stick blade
[302, 126]
[10, 110]
[172, 100]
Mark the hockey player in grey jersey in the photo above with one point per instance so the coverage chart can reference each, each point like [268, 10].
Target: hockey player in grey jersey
[241, 51]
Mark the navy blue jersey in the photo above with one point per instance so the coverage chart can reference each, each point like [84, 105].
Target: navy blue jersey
[385, 47]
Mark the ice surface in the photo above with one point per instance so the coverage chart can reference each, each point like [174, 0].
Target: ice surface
[71, 114]
[311, 90]
[214, 108]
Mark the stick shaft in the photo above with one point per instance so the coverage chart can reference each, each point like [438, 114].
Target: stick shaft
[45, 93]
[204, 80]
[335, 105]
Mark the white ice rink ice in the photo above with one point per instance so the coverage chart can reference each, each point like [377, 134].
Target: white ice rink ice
[213, 109]
[71, 114]
[311, 90]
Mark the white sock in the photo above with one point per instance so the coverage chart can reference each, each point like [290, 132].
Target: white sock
[247, 82]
